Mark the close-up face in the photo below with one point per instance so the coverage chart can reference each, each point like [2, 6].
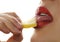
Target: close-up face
[48, 22]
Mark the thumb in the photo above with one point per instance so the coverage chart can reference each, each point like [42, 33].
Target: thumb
[15, 38]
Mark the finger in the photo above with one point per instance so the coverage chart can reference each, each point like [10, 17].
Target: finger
[3, 28]
[13, 14]
[13, 20]
[9, 25]
[15, 38]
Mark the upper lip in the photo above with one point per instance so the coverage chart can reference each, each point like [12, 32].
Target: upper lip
[43, 10]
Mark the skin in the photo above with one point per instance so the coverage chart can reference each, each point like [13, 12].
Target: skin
[8, 24]
[16, 37]
[50, 32]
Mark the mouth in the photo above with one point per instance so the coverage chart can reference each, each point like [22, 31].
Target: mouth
[42, 18]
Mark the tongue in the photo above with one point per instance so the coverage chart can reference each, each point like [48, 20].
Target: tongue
[43, 20]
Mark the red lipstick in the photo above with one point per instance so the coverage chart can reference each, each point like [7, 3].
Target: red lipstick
[43, 17]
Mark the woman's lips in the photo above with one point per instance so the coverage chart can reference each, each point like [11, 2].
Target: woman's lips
[43, 17]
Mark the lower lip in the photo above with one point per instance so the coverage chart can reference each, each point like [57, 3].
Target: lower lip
[41, 23]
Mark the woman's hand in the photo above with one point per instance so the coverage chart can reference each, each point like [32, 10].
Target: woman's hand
[9, 22]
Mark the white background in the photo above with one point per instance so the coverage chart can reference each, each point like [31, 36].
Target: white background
[25, 9]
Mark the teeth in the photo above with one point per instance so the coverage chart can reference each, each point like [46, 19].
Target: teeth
[42, 14]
